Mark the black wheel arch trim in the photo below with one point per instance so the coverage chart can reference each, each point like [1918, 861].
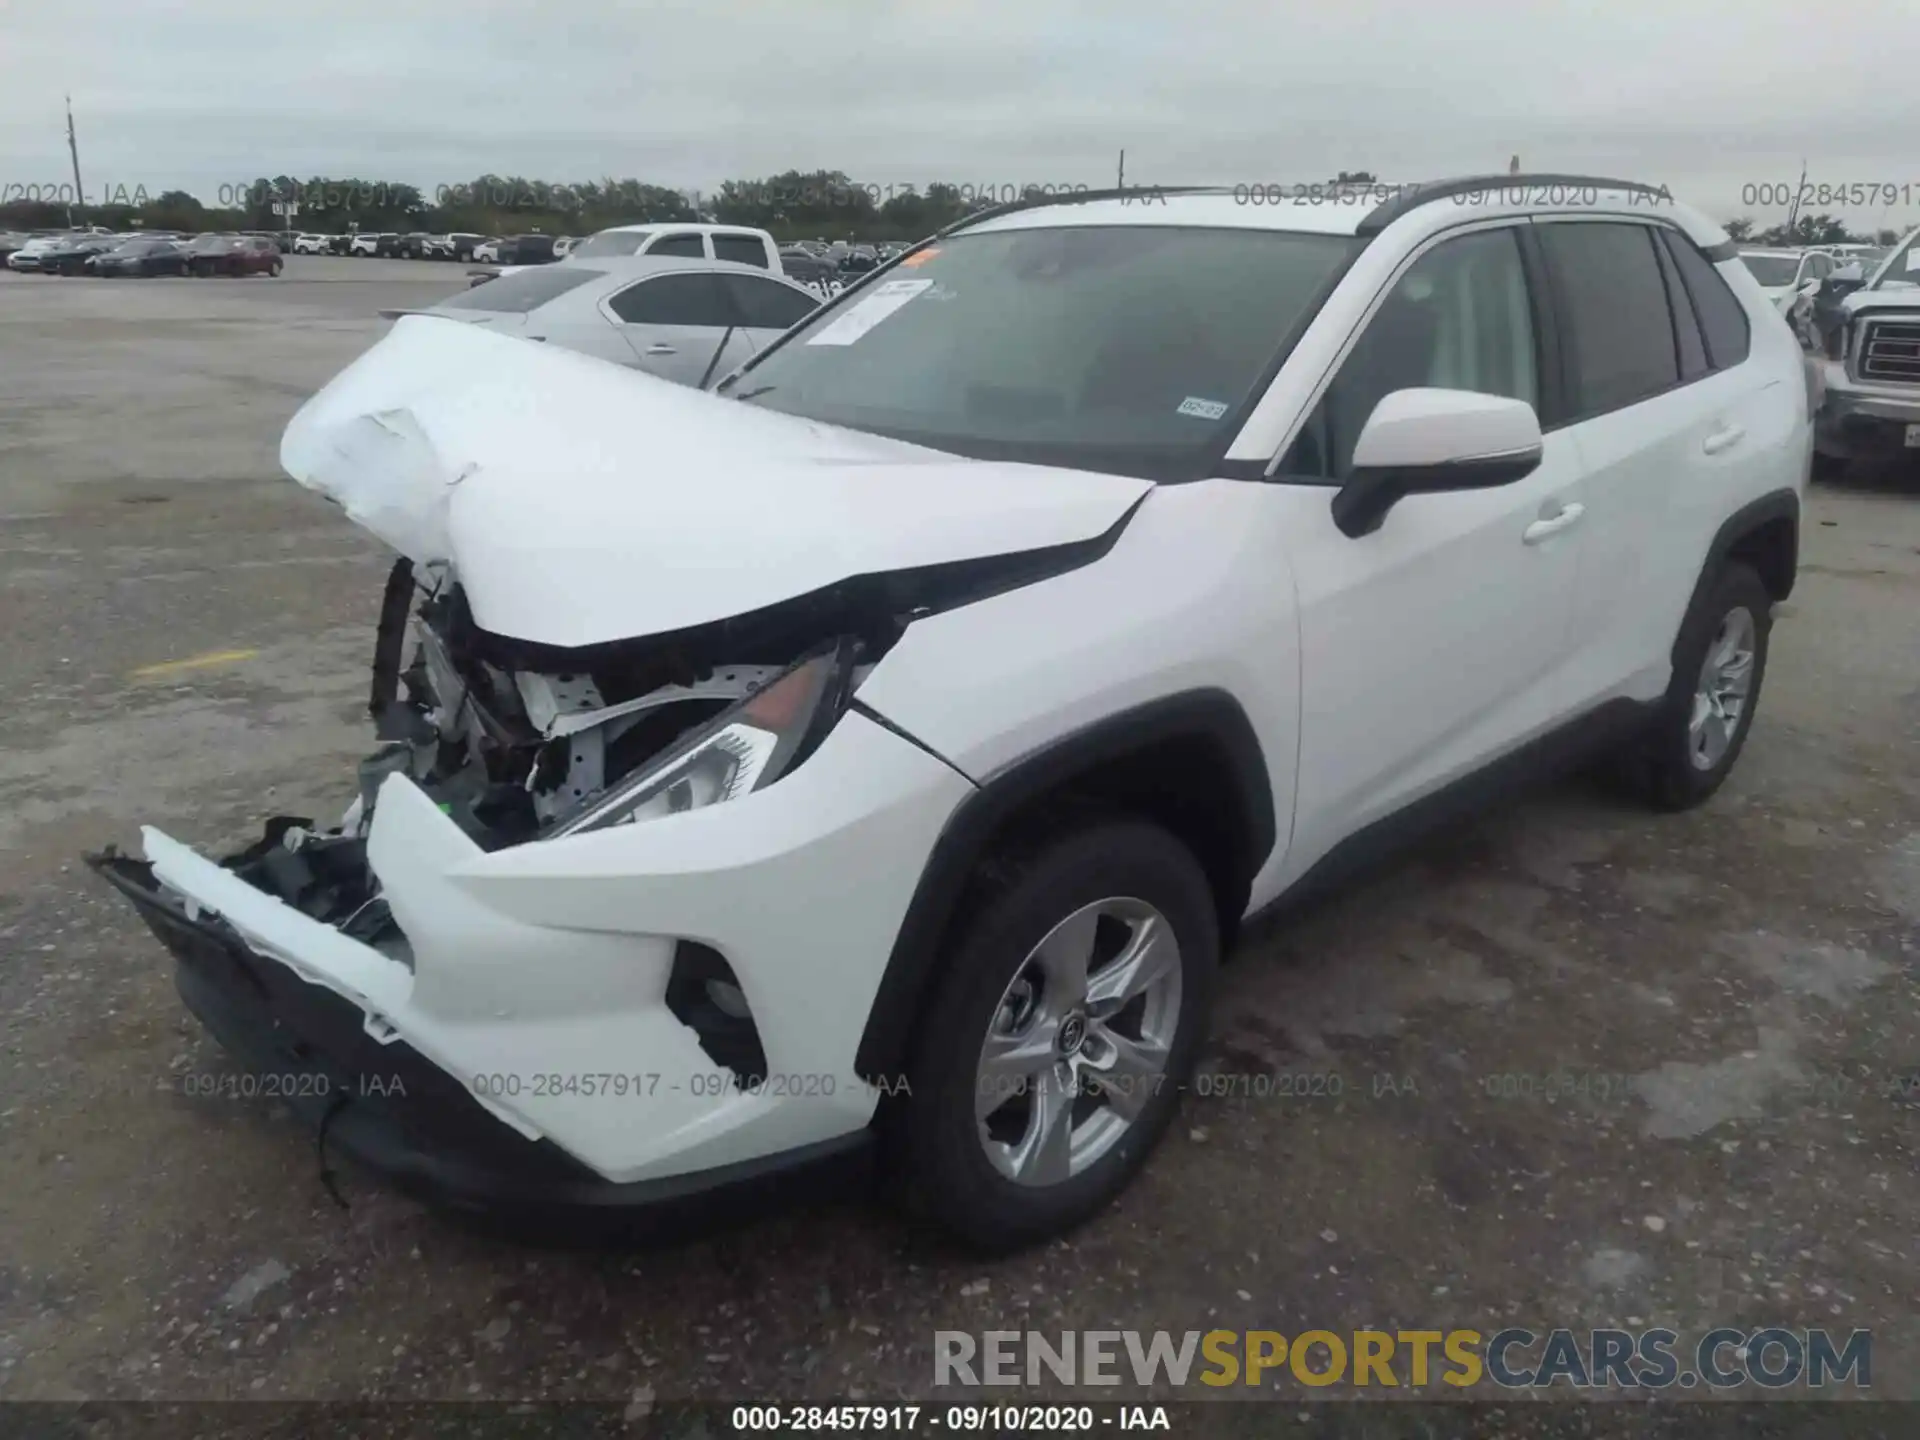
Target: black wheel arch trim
[912, 967]
[1775, 505]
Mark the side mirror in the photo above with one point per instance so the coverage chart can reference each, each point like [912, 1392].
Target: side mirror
[1428, 440]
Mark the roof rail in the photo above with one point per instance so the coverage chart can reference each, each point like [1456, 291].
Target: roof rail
[1144, 193]
[1414, 196]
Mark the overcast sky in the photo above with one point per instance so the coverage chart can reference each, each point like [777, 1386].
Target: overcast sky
[1708, 98]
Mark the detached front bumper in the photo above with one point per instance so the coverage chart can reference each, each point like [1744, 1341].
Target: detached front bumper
[519, 1056]
[397, 1114]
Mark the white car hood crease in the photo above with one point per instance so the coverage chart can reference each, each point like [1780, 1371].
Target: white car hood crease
[580, 502]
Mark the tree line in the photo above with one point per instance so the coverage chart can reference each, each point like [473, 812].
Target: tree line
[793, 205]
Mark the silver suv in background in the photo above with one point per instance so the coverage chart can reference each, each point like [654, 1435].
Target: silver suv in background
[1868, 335]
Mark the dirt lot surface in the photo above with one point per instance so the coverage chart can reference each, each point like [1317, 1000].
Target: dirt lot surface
[1574, 1065]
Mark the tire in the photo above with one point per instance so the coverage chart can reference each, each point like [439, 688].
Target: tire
[275, 268]
[937, 1138]
[1675, 765]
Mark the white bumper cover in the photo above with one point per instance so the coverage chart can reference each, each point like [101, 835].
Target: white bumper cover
[540, 971]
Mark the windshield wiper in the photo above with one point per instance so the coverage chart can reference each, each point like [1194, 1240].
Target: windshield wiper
[757, 390]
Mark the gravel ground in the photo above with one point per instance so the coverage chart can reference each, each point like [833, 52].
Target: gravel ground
[1731, 991]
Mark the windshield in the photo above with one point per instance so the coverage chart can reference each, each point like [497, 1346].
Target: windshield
[1131, 348]
[611, 242]
[1901, 268]
[1772, 270]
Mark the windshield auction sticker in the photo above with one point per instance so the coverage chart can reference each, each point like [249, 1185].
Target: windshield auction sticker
[870, 311]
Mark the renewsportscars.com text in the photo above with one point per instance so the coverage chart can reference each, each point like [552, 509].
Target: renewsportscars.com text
[1772, 1358]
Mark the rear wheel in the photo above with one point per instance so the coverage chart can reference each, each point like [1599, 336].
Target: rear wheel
[1703, 723]
[1067, 1020]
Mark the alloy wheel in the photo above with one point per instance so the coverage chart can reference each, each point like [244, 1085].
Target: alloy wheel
[1079, 1044]
[1720, 696]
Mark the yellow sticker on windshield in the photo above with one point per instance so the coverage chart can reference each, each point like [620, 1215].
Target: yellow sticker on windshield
[920, 257]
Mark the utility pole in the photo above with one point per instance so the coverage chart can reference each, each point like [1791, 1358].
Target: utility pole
[73, 149]
[1793, 210]
[1121, 184]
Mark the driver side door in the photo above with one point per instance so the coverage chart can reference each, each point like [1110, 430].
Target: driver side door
[1438, 642]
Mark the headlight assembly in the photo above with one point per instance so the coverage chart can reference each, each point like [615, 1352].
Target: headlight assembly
[749, 746]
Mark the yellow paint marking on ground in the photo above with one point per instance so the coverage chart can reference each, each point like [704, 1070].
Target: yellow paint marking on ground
[193, 662]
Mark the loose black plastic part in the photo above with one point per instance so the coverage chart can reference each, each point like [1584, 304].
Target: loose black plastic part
[1414, 196]
[422, 1131]
[1211, 715]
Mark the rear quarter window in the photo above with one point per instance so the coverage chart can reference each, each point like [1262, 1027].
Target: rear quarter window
[1723, 319]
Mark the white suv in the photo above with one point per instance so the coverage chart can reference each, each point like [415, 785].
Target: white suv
[875, 759]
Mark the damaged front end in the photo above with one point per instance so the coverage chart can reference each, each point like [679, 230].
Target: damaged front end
[411, 950]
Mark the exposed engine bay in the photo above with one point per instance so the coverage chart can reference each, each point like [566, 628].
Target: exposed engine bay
[518, 743]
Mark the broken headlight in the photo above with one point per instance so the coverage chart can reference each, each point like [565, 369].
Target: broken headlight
[751, 745]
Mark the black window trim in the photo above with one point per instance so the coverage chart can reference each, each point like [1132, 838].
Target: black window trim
[1680, 303]
[714, 269]
[714, 237]
[1650, 224]
[1546, 345]
[781, 282]
[1677, 237]
[661, 237]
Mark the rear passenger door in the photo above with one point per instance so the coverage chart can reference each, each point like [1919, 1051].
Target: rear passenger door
[677, 323]
[1666, 414]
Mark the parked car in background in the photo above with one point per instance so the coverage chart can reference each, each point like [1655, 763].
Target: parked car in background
[71, 255]
[1791, 279]
[232, 255]
[563, 245]
[859, 259]
[460, 245]
[11, 241]
[311, 244]
[1868, 335]
[373, 243]
[341, 244]
[925, 711]
[683, 320]
[417, 245]
[26, 259]
[806, 268]
[141, 257]
[487, 251]
[738, 244]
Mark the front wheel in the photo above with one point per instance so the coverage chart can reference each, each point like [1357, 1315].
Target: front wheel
[1066, 1024]
[1703, 723]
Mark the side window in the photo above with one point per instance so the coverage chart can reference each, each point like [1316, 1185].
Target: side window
[1460, 317]
[1619, 330]
[1723, 318]
[688, 246]
[674, 300]
[767, 304]
[741, 249]
[1686, 325]
[1822, 267]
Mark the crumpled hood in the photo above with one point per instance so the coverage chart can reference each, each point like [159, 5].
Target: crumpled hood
[581, 502]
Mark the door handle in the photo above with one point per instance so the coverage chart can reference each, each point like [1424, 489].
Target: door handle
[1565, 519]
[661, 350]
[1723, 439]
